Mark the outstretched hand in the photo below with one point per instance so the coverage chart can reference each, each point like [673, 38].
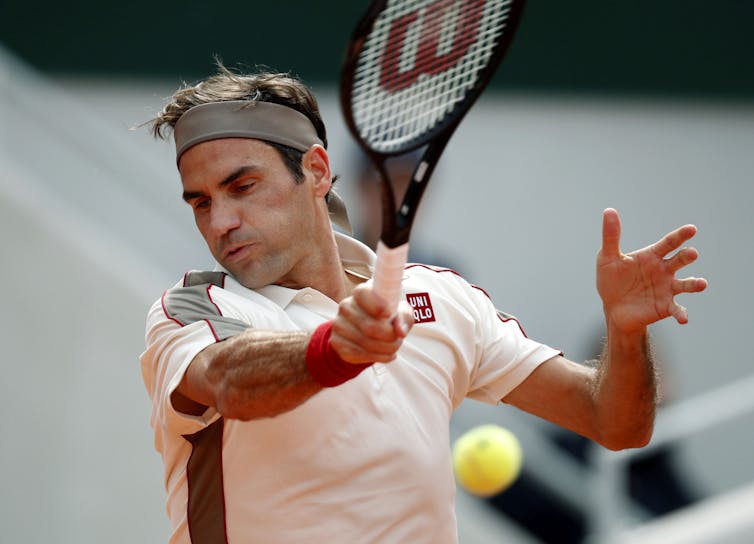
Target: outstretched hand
[639, 288]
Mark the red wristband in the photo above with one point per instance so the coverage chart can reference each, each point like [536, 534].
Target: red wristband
[324, 364]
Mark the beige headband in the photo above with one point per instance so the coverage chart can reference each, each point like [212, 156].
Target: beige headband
[244, 119]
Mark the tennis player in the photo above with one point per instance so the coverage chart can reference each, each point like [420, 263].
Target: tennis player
[288, 404]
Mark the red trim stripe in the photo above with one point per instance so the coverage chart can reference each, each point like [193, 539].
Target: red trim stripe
[212, 330]
[165, 310]
[209, 296]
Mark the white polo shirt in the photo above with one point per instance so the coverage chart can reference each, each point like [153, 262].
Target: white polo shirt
[367, 461]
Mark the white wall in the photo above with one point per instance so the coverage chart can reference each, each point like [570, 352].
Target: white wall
[77, 458]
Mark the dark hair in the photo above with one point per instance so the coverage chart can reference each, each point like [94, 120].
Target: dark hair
[292, 160]
[225, 85]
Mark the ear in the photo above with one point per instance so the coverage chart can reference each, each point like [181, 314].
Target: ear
[316, 163]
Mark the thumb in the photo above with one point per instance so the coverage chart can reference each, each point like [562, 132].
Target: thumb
[403, 320]
[610, 232]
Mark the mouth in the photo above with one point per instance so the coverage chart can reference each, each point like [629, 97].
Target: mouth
[236, 253]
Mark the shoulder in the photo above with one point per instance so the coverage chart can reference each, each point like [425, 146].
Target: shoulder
[441, 279]
[194, 278]
[426, 285]
[451, 285]
[190, 299]
[432, 272]
[197, 298]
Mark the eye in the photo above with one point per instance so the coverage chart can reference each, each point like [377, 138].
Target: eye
[201, 204]
[243, 187]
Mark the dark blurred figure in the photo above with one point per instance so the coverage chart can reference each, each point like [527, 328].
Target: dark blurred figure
[654, 480]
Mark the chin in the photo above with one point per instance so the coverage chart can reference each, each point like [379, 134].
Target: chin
[250, 281]
[251, 277]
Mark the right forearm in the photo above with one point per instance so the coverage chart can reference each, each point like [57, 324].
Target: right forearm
[265, 373]
[252, 375]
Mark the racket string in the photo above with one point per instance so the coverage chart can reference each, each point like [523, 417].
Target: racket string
[388, 120]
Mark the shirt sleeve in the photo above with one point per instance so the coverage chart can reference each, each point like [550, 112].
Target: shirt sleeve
[180, 325]
[506, 356]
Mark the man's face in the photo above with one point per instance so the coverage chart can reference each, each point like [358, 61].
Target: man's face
[256, 220]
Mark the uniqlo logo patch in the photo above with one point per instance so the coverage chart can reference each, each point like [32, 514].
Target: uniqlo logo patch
[422, 307]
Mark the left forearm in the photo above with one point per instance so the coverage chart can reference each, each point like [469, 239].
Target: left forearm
[626, 389]
[637, 289]
[615, 403]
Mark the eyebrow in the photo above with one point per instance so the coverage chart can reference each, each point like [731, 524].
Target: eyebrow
[188, 196]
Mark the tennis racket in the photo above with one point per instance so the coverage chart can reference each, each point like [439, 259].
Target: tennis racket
[413, 69]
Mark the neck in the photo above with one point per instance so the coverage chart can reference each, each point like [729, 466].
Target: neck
[325, 272]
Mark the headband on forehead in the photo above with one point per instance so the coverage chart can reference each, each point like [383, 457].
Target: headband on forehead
[244, 119]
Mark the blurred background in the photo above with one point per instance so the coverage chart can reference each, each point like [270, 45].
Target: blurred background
[645, 106]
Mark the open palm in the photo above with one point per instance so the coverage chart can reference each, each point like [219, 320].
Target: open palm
[639, 288]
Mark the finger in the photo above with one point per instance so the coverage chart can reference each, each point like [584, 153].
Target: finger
[372, 303]
[610, 232]
[348, 335]
[674, 240]
[354, 352]
[683, 258]
[356, 325]
[689, 285]
[679, 313]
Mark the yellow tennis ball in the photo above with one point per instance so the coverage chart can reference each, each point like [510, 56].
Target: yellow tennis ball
[487, 459]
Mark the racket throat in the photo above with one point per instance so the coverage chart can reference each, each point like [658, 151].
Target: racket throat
[421, 171]
[399, 232]
[413, 196]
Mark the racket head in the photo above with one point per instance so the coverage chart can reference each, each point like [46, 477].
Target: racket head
[413, 68]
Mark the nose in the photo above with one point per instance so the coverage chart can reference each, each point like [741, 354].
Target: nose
[224, 217]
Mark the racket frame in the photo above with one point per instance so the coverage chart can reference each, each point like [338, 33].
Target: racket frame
[397, 220]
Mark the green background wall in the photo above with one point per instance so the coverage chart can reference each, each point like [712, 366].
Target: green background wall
[691, 47]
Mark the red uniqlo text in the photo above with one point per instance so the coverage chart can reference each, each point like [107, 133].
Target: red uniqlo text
[422, 307]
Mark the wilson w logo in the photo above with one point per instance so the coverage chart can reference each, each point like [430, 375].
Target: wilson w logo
[429, 41]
